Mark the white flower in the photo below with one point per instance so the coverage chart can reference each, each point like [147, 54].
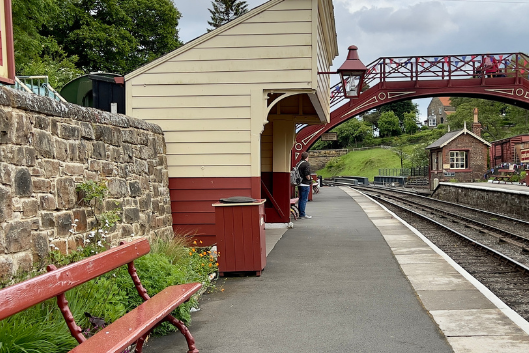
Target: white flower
[87, 241]
[99, 243]
[76, 220]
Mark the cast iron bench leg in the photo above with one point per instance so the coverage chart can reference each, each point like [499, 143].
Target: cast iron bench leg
[185, 331]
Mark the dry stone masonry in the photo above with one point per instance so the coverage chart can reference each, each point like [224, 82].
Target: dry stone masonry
[319, 158]
[47, 148]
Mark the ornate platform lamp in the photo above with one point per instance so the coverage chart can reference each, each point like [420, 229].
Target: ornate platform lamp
[352, 73]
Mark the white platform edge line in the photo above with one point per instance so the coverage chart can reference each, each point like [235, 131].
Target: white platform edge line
[511, 314]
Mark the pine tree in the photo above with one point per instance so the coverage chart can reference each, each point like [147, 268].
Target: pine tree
[226, 10]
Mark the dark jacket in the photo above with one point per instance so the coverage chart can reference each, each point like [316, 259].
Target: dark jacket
[304, 170]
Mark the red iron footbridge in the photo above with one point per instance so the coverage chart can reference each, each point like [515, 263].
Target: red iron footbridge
[392, 79]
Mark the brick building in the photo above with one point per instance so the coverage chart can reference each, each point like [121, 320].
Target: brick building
[459, 155]
[438, 110]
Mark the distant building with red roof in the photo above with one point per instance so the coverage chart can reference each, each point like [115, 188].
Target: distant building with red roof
[438, 110]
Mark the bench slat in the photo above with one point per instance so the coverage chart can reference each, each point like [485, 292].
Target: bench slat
[127, 329]
[23, 295]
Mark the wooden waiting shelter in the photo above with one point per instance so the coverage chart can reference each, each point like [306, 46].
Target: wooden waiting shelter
[229, 102]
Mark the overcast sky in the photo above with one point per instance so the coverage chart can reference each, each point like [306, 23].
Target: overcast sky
[405, 27]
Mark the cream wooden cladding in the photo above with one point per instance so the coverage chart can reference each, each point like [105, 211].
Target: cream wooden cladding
[204, 95]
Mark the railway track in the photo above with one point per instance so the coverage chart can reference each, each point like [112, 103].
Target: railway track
[493, 248]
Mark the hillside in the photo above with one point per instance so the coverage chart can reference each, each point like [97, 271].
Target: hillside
[363, 163]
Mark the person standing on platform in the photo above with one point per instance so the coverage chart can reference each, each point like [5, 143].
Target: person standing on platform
[304, 187]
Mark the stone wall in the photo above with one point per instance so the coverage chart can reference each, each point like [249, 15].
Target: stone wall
[47, 148]
[319, 158]
[509, 202]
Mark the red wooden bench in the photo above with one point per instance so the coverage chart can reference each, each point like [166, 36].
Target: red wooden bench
[134, 326]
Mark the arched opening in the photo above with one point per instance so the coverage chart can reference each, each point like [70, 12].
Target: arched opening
[286, 110]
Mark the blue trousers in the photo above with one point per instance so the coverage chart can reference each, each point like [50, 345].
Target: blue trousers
[303, 198]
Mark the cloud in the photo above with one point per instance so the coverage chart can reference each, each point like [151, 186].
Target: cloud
[418, 20]
[195, 17]
[403, 27]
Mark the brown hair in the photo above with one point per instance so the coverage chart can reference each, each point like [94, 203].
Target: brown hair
[304, 155]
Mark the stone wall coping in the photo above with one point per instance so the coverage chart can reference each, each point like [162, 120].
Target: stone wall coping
[48, 106]
[484, 186]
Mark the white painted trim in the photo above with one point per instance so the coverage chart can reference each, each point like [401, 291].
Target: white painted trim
[511, 314]
[458, 185]
[279, 225]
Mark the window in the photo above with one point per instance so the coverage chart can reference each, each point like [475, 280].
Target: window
[440, 160]
[458, 160]
[432, 121]
[440, 110]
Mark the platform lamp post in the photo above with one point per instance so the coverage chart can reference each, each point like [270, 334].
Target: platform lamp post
[352, 73]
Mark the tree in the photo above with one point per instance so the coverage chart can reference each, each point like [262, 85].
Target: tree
[410, 123]
[389, 124]
[114, 35]
[351, 132]
[28, 18]
[492, 116]
[418, 156]
[398, 148]
[400, 108]
[226, 10]
[36, 54]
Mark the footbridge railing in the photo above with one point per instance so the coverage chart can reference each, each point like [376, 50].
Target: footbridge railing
[439, 67]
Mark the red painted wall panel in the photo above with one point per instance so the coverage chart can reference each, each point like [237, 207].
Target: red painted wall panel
[191, 200]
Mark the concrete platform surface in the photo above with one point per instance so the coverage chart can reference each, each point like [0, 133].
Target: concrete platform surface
[472, 318]
[351, 279]
[505, 187]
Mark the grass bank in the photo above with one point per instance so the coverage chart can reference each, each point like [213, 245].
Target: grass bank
[364, 163]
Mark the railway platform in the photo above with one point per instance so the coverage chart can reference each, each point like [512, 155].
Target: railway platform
[505, 186]
[352, 279]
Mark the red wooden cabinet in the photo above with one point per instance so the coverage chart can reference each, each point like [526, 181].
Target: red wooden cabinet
[240, 231]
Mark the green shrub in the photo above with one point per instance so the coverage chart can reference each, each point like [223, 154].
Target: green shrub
[41, 328]
[335, 166]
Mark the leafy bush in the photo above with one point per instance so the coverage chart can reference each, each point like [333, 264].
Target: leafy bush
[41, 328]
[335, 166]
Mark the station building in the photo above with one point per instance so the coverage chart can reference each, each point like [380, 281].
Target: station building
[228, 103]
[459, 155]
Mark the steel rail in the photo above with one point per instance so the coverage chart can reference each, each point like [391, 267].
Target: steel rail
[515, 263]
[516, 238]
[508, 218]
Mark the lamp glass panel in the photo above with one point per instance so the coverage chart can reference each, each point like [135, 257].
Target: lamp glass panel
[351, 84]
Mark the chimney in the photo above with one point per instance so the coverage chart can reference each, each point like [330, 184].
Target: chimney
[476, 126]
